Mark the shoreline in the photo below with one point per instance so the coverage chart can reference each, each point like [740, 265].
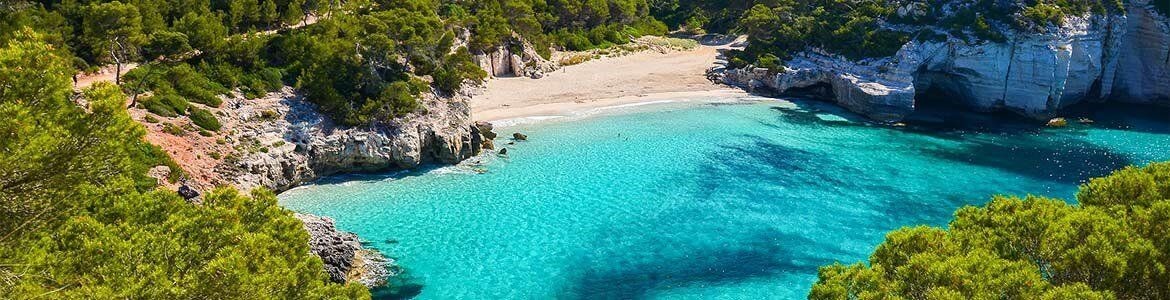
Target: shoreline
[575, 110]
[645, 76]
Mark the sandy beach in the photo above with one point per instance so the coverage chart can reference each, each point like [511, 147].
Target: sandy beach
[641, 77]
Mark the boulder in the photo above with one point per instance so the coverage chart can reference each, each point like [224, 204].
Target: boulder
[519, 136]
[485, 129]
[187, 192]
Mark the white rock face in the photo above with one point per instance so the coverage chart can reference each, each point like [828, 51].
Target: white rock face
[1144, 57]
[501, 62]
[300, 144]
[1094, 58]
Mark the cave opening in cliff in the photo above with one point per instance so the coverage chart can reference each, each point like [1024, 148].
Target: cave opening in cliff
[821, 91]
[941, 101]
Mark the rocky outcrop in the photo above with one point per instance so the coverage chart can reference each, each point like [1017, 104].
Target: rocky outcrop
[516, 58]
[1090, 58]
[282, 141]
[344, 257]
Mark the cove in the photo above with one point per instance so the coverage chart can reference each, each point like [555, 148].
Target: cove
[701, 200]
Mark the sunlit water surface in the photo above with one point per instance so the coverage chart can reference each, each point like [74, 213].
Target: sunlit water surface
[699, 200]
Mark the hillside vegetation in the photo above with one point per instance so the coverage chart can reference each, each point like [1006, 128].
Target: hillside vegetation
[80, 219]
[777, 29]
[1114, 245]
[362, 61]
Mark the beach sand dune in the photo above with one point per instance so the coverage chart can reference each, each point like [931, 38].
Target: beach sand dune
[640, 77]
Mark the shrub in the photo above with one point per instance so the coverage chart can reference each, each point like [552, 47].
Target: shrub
[1110, 246]
[155, 106]
[173, 130]
[1044, 14]
[203, 118]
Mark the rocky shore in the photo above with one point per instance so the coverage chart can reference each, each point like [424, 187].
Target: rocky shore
[344, 257]
[1120, 57]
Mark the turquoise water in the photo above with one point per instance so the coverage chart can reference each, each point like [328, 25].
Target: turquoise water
[703, 200]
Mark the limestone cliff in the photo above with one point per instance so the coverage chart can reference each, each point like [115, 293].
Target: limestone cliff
[515, 58]
[283, 141]
[1122, 57]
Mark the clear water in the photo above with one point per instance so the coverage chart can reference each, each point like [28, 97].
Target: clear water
[703, 200]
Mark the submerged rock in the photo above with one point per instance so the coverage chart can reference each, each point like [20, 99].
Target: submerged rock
[519, 136]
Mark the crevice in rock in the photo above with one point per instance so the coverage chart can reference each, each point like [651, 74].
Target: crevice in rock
[1007, 76]
[819, 91]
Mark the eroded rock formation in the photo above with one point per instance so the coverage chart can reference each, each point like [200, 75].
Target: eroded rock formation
[283, 141]
[1089, 58]
[344, 257]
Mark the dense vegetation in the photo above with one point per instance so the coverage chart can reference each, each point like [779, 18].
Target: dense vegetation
[866, 28]
[1114, 245]
[362, 61]
[79, 219]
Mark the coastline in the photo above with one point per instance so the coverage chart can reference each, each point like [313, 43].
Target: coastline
[646, 76]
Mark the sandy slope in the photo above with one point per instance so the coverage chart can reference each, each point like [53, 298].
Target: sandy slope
[640, 77]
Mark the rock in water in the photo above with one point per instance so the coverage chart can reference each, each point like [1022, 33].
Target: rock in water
[344, 257]
[519, 136]
[485, 129]
[488, 145]
[503, 151]
[1057, 122]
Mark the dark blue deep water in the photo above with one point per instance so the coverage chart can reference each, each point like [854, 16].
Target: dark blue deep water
[703, 200]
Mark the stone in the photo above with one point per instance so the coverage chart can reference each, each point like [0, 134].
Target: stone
[488, 145]
[159, 173]
[485, 129]
[1057, 123]
[519, 136]
[187, 192]
[503, 151]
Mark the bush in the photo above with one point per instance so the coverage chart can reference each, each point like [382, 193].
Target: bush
[203, 118]
[1112, 245]
[1043, 14]
[173, 130]
[154, 106]
[574, 41]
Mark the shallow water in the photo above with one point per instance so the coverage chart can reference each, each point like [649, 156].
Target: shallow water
[701, 201]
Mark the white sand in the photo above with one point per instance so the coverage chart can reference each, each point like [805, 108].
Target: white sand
[641, 77]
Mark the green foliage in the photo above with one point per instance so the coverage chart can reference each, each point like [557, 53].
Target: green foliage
[79, 219]
[173, 129]
[166, 43]
[166, 105]
[1116, 245]
[204, 118]
[1044, 14]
